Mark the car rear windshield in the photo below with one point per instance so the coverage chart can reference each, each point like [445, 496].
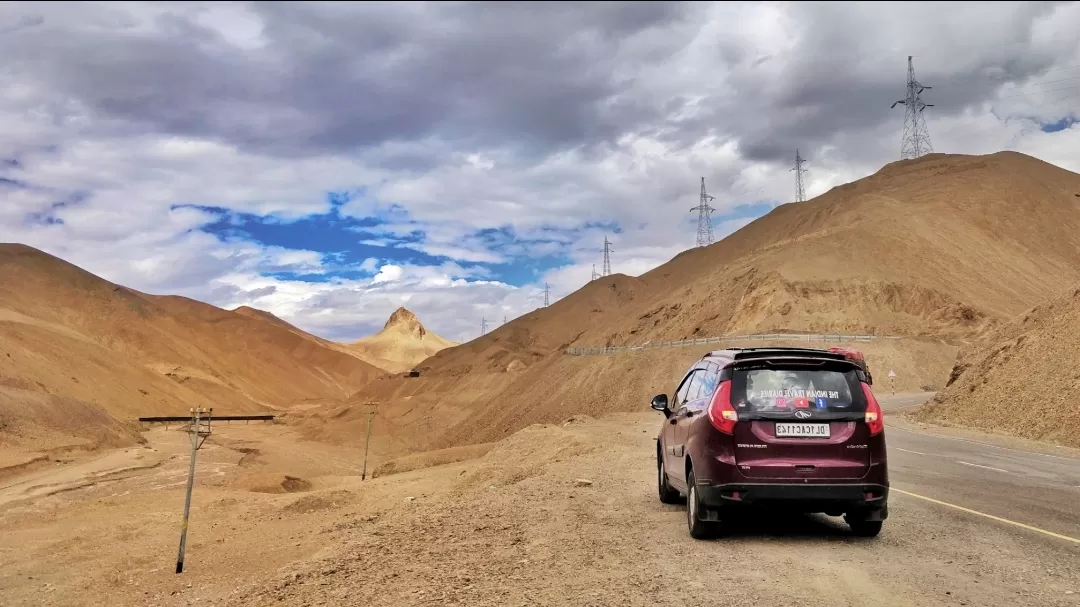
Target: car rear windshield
[782, 389]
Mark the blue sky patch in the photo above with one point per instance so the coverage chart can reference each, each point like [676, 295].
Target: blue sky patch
[1059, 125]
[347, 242]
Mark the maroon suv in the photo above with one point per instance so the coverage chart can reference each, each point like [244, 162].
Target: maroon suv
[797, 428]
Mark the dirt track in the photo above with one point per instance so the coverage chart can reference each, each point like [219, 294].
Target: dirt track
[513, 528]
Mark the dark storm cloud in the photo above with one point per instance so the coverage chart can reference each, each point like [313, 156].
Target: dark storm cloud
[531, 78]
[841, 78]
[337, 76]
[24, 22]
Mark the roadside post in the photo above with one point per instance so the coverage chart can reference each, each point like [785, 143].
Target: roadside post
[892, 381]
[367, 441]
[197, 432]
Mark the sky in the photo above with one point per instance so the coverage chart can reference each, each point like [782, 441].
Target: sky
[331, 161]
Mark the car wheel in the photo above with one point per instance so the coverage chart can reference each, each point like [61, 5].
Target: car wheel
[862, 527]
[699, 529]
[667, 494]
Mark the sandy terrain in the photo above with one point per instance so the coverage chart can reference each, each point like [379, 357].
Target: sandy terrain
[516, 527]
[108, 529]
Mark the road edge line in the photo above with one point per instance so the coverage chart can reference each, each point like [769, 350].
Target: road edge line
[1067, 458]
[989, 516]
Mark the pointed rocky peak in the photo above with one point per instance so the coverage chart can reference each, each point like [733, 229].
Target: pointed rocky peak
[407, 321]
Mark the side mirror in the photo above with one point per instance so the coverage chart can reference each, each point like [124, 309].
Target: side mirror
[659, 402]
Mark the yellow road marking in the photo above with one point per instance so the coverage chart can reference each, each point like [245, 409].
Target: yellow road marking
[990, 516]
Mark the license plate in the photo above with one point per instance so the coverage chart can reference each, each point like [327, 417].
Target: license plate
[803, 430]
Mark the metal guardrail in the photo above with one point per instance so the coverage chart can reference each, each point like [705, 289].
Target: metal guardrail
[701, 341]
[217, 418]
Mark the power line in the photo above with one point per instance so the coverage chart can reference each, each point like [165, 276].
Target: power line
[704, 222]
[800, 192]
[1042, 92]
[916, 137]
[607, 257]
[1027, 86]
[1054, 101]
[547, 294]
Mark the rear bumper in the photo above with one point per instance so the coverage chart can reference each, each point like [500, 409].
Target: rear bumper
[816, 497]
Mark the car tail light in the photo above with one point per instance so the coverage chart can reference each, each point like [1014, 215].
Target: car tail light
[722, 415]
[874, 419]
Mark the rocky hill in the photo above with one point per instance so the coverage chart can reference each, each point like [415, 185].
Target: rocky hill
[402, 343]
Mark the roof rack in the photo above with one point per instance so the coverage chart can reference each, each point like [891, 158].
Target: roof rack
[765, 352]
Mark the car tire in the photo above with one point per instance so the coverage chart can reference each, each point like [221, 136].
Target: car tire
[699, 529]
[861, 527]
[667, 494]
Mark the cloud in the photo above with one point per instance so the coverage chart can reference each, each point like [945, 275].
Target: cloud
[388, 273]
[476, 150]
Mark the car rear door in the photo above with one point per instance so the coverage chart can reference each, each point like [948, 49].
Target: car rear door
[673, 457]
[701, 387]
[800, 420]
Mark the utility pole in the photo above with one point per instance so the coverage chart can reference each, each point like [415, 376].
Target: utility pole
[594, 274]
[800, 192]
[504, 318]
[607, 257]
[197, 432]
[916, 136]
[367, 441]
[704, 222]
[483, 325]
[547, 294]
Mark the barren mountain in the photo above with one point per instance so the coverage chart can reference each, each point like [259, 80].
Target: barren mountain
[81, 357]
[938, 250]
[941, 246]
[1021, 379]
[401, 343]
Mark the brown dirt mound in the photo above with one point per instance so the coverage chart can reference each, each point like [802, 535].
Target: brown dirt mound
[319, 502]
[429, 459]
[523, 455]
[1021, 379]
[31, 422]
[271, 483]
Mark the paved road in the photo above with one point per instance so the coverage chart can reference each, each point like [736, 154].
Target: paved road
[1034, 489]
